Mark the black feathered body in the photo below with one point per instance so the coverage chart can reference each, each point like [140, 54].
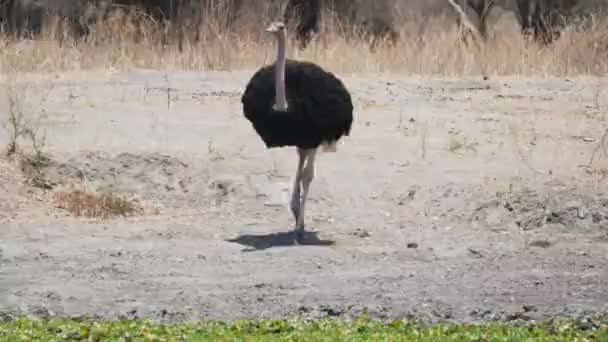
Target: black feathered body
[320, 108]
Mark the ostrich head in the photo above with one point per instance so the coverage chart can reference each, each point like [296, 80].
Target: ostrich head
[277, 28]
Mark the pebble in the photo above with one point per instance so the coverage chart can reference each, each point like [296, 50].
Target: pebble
[582, 212]
[588, 139]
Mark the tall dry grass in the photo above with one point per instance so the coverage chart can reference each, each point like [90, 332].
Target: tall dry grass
[427, 47]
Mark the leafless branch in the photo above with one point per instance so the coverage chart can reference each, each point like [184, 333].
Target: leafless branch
[465, 21]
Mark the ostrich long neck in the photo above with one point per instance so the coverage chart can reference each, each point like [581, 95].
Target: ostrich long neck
[279, 74]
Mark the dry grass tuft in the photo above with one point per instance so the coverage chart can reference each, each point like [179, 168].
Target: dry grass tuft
[87, 204]
[428, 46]
[33, 167]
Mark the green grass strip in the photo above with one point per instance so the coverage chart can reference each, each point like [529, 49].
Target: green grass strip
[359, 329]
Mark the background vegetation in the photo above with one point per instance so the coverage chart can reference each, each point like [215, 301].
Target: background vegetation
[429, 44]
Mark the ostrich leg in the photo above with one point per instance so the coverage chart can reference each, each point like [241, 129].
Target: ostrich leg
[295, 194]
[308, 174]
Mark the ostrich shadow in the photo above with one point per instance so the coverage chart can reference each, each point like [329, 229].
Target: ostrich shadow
[254, 242]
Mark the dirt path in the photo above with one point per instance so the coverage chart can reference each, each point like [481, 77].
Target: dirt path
[452, 200]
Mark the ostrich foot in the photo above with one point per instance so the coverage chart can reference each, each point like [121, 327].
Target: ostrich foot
[298, 234]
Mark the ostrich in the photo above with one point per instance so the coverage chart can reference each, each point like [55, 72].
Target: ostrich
[297, 103]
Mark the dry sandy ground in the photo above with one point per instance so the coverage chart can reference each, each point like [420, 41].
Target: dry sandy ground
[453, 199]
